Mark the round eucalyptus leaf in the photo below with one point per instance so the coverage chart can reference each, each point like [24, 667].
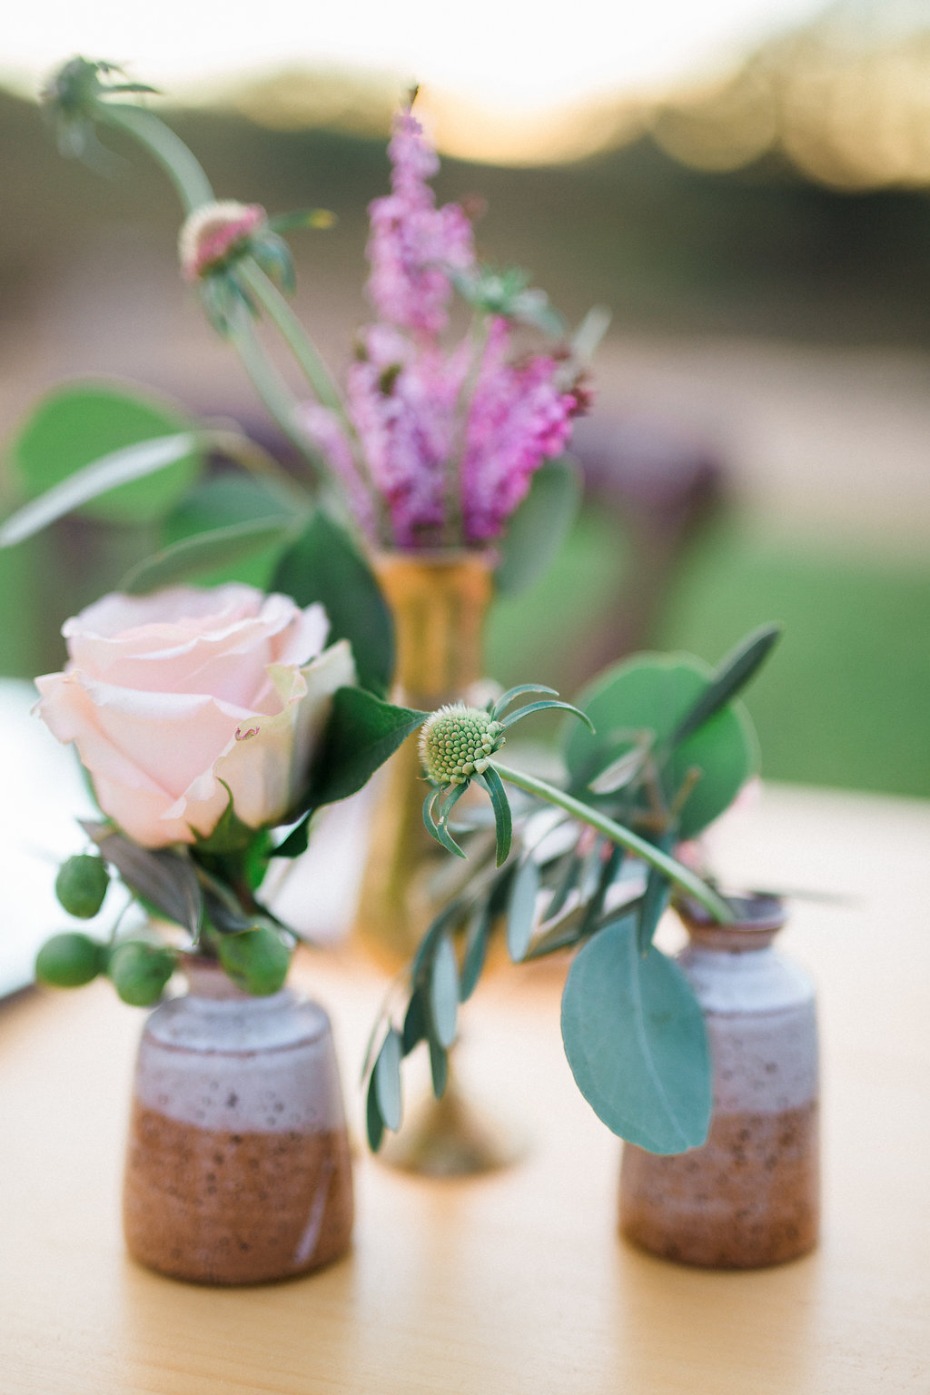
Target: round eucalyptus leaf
[74, 426]
[636, 1042]
[652, 693]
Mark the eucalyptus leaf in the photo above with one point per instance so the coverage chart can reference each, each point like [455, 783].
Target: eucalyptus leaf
[415, 1024]
[539, 526]
[227, 500]
[654, 692]
[636, 1042]
[164, 879]
[443, 996]
[476, 949]
[323, 565]
[119, 455]
[374, 1123]
[570, 870]
[521, 909]
[386, 1077]
[439, 1068]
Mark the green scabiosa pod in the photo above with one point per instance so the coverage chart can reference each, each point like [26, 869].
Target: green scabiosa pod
[457, 742]
[140, 970]
[82, 884]
[69, 960]
[256, 960]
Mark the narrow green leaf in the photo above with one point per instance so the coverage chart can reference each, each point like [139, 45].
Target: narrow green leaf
[571, 868]
[374, 1124]
[219, 548]
[623, 771]
[387, 1083]
[439, 1068]
[636, 1042]
[323, 565]
[443, 993]
[120, 455]
[521, 909]
[476, 949]
[543, 706]
[505, 699]
[131, 463]
[415, 1025]
[539, 527]
[609, 868]
[436, 810]
[652, 907]
[362, 732]
[733, 675]
[503, 822]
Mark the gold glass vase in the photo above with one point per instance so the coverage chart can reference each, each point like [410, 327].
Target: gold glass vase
[440, 602]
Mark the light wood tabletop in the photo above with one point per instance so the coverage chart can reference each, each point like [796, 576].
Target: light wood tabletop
[515, 1282]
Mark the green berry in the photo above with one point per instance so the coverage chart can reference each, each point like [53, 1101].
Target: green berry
[256, 960]
[82, 884]
[70, 959]
[140, 971]
[457, 742]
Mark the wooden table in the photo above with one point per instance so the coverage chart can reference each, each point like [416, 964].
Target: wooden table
[515, 1282]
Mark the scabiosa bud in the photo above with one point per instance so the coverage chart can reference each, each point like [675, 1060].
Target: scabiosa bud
[215, 230]
[457, 742]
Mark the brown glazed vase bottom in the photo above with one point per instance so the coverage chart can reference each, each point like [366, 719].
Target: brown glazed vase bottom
[746, 1199]
[234, 1208]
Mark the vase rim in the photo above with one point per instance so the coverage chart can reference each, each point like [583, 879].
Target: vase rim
[758, 919]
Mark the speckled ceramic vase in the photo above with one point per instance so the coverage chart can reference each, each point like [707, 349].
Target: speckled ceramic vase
[238, 1167]
[750, 1196]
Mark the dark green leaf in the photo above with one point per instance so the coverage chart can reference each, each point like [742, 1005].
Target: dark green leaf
[415, 1024]
[374, 1124]
[503, 823]
[205, 553]
[386, 1077]
[297, 841]
[652, 908]
[362, 732]
[539, 527]
[570, 871]
[732, 676]
[161, 877]
[443, 993]
[636, 1042]
[439, 1068]
[136, 455]
[323, 565]
[521, 909]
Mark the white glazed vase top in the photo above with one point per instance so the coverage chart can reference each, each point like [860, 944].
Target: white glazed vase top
[237, 1167]
[749, 1196]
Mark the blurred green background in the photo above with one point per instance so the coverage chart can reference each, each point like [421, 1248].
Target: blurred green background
[758, 447]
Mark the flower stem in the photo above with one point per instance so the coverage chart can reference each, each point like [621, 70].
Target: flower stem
[166, 149]
[677, 874]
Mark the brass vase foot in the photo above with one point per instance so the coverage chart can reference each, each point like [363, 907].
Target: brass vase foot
[452, 1137]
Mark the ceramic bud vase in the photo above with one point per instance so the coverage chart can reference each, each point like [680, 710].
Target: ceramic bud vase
[439, 601]
[238, 1167]
[749, 1196]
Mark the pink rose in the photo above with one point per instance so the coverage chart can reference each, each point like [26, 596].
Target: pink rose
[169, 697]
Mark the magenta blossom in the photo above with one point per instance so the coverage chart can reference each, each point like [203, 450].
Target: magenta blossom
[414, 244]
[437, 445]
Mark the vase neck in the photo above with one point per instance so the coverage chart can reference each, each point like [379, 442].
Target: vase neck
[440, 602]
[758, 921]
